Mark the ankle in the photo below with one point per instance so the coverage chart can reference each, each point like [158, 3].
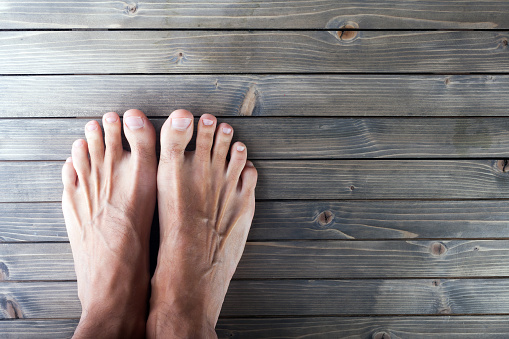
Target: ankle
[106, 325]
[168, 324]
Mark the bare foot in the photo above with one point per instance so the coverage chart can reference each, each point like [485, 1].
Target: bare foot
[206, 205]
[108, 204]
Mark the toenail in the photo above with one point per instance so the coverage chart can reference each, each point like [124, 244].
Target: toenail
[240, 148]
[208, 122]
[180, 124]
[78, 143]
[111, 119]
[91, 126]
[134, 122]
[249, 164]
[68, 159]
[227, 130]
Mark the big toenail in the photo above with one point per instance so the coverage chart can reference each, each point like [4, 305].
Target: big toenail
[208, 122]
[240, 148]
[134, 122]
[91, 126]
[111, 119]
[68, 159]
[227, 130]
[180, 124]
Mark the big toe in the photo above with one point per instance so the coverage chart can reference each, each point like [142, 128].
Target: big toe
[175, 135]
[141, 135]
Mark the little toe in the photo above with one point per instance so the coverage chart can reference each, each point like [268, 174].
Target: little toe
[249, 177]
[176, 133]
[112, 136]
[80, 159]
[222, 142]
[141, 135]
[205, 136]
[69, 175]
[95, 143]
[238, 157]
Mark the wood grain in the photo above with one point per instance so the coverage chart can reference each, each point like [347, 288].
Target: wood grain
[313, 138]
[302, 260]
[46, 300]
[127, 52]
[311, 179]
[430, 327]
[276, 95]
[288, 220]
[254, 14]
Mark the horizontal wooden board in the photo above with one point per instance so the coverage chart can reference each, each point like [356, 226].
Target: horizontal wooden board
[253, 14]
[106, 52]
[295, 297]
[295, 138]
[302, 260]
[287, 220]
[274, 95]
[311, 179]
[431, 327]
[405, 327]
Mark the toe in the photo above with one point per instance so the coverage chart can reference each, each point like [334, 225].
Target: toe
[112, 136]
[175, 135]
[249, 177]
[224, 136]
[205, 136]
[80, 159]
[141, 135]
[95, 143]
[69, 175]
[238, 157]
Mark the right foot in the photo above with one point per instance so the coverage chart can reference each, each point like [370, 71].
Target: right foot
[206, 205]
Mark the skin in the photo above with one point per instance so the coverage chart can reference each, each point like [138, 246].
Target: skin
[206, 205]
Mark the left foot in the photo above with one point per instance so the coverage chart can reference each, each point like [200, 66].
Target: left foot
[108, 204]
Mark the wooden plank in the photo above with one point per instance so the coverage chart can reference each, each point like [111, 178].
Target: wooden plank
[46, 300]
[311, 179]
[254, 14]
[432, 327]
[275, 95]
[288, 220]
[41, 329]
[106, 52]
[302, 260]
[326, 138]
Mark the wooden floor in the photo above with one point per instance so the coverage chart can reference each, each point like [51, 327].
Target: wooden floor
[380, 130]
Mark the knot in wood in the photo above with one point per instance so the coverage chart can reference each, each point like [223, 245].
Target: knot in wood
[444, 310]
[348, 32]
[438, 249]
[504, 42]
[381, 335]
[325, 218]
[4, 271]
[435, 283]
[10, 309]
[447, 81]
[131, 9]
[502, 165]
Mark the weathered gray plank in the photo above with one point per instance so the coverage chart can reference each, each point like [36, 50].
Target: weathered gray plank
[286, 138]
[311, 179]
[431, 327]
[302, 260]
[96, 52]
[253, 14]
[287, 220]
[274, 95]
[295, 297]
